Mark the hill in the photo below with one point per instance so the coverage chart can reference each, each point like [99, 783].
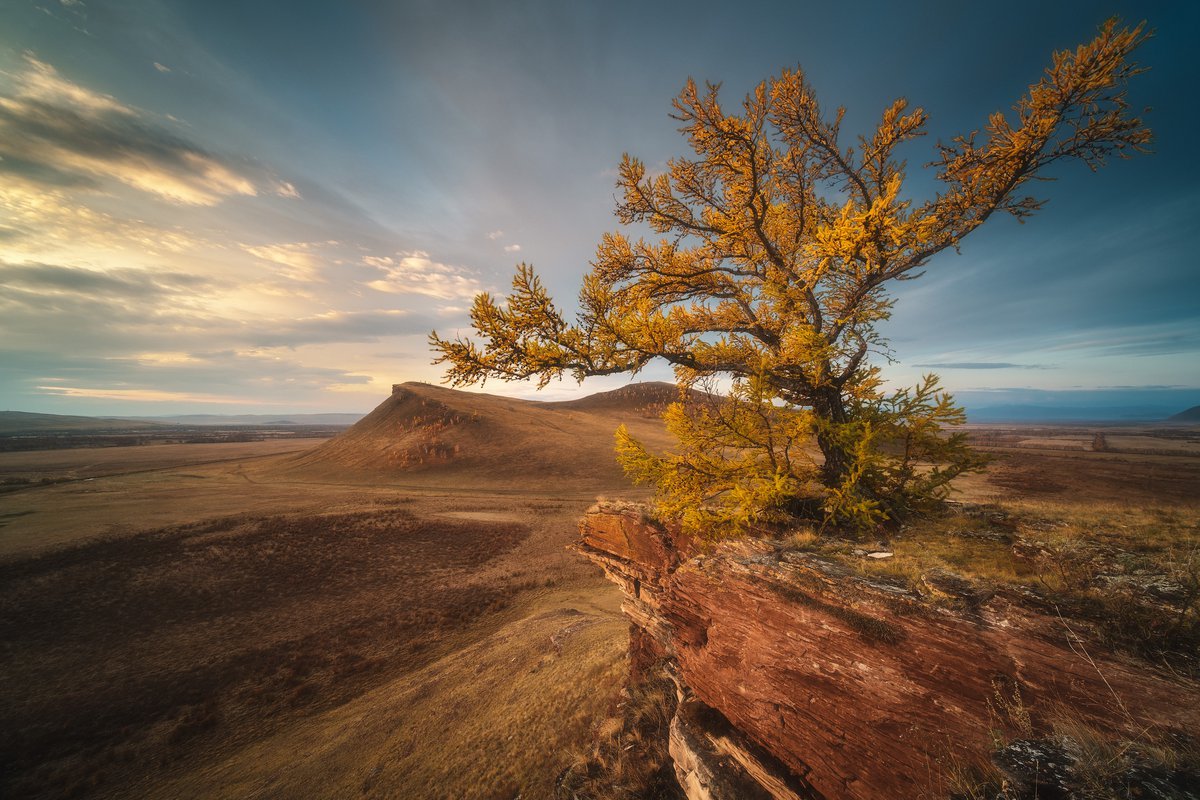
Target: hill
[647, 399]
[332, 418]
[491, 440]
[1190, 415]
[27, 422]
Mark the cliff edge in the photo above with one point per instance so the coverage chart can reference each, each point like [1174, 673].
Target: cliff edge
[799, 678]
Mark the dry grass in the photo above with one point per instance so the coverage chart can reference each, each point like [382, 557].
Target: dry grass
[1134, 572]
[1128, 561]
[402, 651]
[1057, 753]
[121, 650]
[240, 630]
[628, 759]
[1068, 757]
[20, 469]
[250, 629]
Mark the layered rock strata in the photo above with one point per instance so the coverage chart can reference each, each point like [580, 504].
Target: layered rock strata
[802, 679]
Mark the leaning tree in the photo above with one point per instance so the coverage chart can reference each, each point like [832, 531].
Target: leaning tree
[780, 244]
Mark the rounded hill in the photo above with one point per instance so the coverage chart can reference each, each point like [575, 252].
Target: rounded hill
[431, 432]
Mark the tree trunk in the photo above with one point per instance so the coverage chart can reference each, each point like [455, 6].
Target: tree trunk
[830, 409]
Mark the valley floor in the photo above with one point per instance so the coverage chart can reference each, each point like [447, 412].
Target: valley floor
[214, 630]
[211, 623]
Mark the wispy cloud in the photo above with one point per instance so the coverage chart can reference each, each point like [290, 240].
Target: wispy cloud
[42, 222]
[512, 248]
[57, 132]
[139, 395]
[114, 314]
[417, 273]
[285, 189]
[980, 365]
[496, 234]
[334, 326]
[1147, 340]
[53, 279]
[220, 377]
[298, 259]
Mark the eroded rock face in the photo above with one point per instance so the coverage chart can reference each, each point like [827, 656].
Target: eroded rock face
[850, 688]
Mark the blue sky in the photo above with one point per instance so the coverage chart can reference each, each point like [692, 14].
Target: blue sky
[262, 206]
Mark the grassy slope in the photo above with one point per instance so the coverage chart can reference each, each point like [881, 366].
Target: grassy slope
[293, 661]
[489, 703]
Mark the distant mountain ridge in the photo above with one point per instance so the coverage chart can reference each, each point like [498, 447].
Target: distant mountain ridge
[18, 422]
[331, 418]
[32, 422]
[1047, 413]
[649, 396]
[1190, 415]
[643, 399]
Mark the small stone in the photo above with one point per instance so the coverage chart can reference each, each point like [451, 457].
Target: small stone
[880, 554]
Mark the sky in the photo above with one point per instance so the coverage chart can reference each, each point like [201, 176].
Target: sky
[267, 206]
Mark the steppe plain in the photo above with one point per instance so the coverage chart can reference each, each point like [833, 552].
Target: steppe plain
[392, 613]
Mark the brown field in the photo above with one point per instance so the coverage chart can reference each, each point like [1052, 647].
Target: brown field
[1138, 464]
[97, 462]
[393, 613]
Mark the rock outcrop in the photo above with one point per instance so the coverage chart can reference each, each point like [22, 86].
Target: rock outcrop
[802, 679]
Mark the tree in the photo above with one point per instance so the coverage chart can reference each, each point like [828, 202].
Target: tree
[780, 243]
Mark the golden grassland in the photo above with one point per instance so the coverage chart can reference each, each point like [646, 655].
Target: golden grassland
[296, 640]
[256, 623]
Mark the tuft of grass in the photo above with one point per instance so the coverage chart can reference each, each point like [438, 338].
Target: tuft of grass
[804, 539]
[628, 759]
[1108, 766]
[1059, 753]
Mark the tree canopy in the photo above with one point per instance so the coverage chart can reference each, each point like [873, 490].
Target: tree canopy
[779, 244]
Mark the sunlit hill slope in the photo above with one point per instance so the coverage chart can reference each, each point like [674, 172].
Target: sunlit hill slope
[489, 439]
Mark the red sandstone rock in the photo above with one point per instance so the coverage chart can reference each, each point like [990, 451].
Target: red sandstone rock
[859, 689]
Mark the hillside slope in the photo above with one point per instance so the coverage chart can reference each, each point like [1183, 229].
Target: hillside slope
[1190, 415]
[431, 432]
[30, 422]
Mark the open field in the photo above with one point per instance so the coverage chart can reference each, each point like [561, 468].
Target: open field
[392, 615]
[262, 625]
[1080, 464]
[18, 469]
[23, 432]
[364, 627]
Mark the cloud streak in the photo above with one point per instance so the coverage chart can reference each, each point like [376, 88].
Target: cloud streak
[53, 279]
[118, 311]
[980, 365]
[209, 378]
[55, 132]
[416, 273]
